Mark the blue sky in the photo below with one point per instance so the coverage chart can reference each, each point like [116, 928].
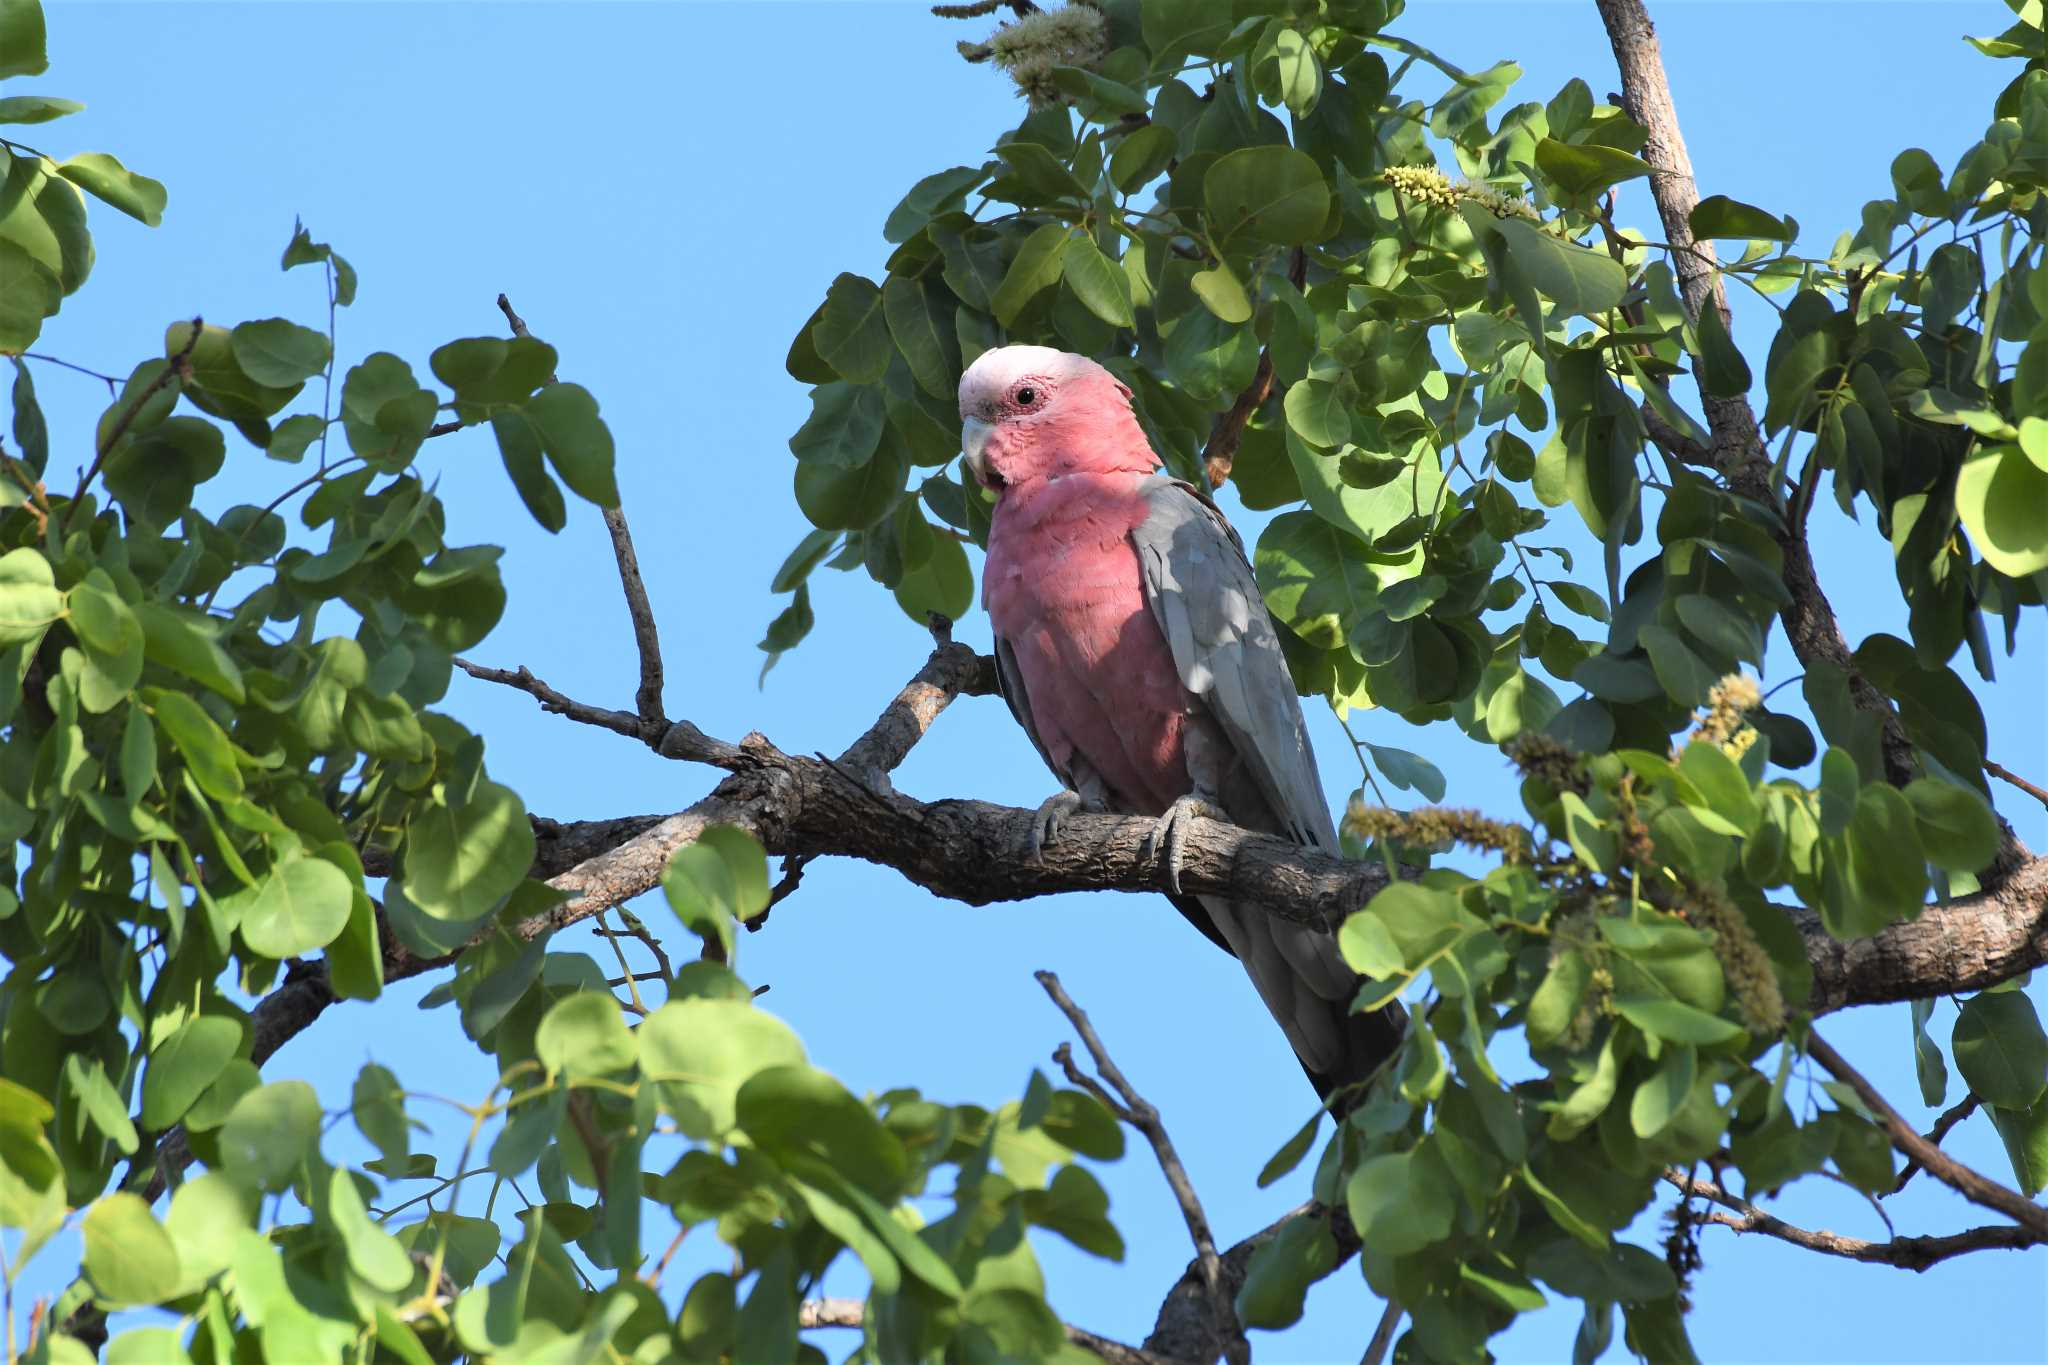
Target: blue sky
[665, 189]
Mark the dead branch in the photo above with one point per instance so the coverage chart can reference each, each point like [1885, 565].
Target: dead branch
[1908, 1253]
[1134, 1109]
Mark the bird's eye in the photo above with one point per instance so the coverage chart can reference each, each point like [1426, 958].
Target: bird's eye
[1026, 397]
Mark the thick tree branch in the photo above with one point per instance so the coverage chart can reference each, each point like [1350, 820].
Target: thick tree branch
[1976, 1188]
[1134, 1109]
[1185, 1328]
[1909, 1253]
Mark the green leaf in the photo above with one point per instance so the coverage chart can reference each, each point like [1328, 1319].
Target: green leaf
[1928, 1065]
[128, 1255]
[207, 753]
[1956, 828]
[377, 1103]
[184, 1065]
[1037, 266]
[1578, 279]
[1221, 293]
[923, 338]
[22, 39]
[796, 1113]
[2000, 1049]
[375, 1255]
[181, 644]
[1999, 495]
[519, 447]
[842, 499]
[1583, 170]
[845, 425]
[577, 442]
[28, 294]
[1718, 216]
[1400, 1203]
[1720, 787]
[1675, 1021]
[1282, 1269]
[1410, 772]
[702, 1050]
[269, 1132]
[278, 353]
[105, 178]
[1274, 195]
[1317, 413]
[1141, 156]
[1098, 282]
[852, 332]
[1291, 1151]
[1887, 870]
[717, 881]
[1657, 1100]
[299, 906]
[460, 862]
[585, 1034]
[29, 600]
[937, 193]
[943, 583]
[2025, 1133]
[1556, 1000]
[1578, 598]
[1722, 628]
[1682, 674]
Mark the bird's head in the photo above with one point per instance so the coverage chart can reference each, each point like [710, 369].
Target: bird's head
[1030, 412]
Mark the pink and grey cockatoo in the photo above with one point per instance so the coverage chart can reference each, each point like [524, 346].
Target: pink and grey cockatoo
[1135, 650]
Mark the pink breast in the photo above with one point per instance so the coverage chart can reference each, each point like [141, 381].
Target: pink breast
[1062, 586]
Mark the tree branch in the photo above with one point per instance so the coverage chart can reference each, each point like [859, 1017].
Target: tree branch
[1738, 452]
[1976, 1188]
[814, 1313]
[1185, 1328]
[1135, 1110]
[1908, 1253]
[648, 697]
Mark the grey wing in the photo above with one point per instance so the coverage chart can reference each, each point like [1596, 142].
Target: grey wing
[1202, 594]
[1201, 591]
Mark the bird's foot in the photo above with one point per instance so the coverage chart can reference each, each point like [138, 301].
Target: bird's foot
[1051, 819]
[1169, 834]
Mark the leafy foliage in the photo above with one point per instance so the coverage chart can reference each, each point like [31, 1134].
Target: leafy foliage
[206, 783]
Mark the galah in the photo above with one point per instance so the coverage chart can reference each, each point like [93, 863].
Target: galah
[1134, 648]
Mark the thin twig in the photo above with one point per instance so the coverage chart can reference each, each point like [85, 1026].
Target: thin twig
[793, 865]
[1908, 1253]
[1950, 1117]
[815, 1313]
[522, 679]
[2004, 774]
[1137, 1111]
[1382, 1336]
[178, 368]
[1221, 452]
[113, 384]
[1976, 1188]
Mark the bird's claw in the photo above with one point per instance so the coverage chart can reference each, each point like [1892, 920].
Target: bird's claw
[1052, 819]
[1170, 832]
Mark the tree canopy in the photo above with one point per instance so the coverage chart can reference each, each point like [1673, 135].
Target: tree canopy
[1520, 485]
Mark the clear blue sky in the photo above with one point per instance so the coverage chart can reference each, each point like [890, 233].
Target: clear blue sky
[665, 190]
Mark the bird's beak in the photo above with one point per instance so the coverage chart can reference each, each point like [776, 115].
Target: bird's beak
[974, 434]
